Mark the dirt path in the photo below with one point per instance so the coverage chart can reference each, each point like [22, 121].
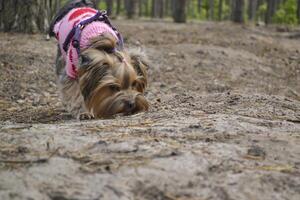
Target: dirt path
[224, 121]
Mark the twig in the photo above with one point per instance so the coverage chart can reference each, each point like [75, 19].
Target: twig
[38, 160]
[293, 120]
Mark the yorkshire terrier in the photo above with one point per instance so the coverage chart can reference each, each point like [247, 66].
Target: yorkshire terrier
[96, 76]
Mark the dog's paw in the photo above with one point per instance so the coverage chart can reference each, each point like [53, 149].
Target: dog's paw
[85, 116]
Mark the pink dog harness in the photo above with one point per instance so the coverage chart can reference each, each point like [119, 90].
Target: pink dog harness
[75, 30]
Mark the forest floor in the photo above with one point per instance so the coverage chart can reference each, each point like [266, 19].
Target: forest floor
[224, 120]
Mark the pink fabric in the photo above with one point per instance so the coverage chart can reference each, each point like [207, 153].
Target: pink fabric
[63, 28]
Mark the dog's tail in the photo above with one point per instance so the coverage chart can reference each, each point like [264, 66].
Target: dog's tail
[71, 4]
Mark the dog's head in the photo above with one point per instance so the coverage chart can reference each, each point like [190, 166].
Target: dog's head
[112, 82]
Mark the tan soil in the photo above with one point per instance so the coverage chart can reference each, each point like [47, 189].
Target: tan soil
[224, 121]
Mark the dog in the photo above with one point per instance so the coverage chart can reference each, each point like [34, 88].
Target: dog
[97, 78]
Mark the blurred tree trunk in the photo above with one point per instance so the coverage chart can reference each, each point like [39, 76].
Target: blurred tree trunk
[153, 8]
[29, 16]
[220, 10]
[179, 10]
[118, 7]
[211, 9]
[131, 8]
[199, 6]
[271, 8]
[252, 9]
[238, 11]
[109, 7]
[146, 5]
[298, 11]
[157, 8]
[140, 8]
[161, 8]
[167, 8]
[154, 11]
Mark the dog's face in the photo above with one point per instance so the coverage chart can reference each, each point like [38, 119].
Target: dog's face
[112, 82]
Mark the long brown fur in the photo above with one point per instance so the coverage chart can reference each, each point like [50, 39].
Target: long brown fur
[109, 82]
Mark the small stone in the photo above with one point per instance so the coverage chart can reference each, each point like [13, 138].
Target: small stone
[256, 151]
[172, 54]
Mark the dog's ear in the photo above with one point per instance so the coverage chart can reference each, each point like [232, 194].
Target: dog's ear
[106, 42]
[140, 63]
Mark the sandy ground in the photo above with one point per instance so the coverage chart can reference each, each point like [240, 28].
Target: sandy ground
[224, 120]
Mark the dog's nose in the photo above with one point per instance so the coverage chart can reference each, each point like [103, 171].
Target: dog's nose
[130, 105]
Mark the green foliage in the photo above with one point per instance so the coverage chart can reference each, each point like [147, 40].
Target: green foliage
[226, 11]
[260, 15]
[286, 14]
[192, 11]
[102, 5]
[203, 14]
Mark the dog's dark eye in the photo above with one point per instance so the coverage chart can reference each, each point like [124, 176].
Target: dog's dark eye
[84, 60]
[114, 88]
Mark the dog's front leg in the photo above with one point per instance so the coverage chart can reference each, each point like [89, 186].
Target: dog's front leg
[72, 97]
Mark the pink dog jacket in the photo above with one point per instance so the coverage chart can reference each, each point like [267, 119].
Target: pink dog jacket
[66, 24]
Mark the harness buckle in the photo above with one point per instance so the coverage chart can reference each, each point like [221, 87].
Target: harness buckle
[81, 26]
[103, 12]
